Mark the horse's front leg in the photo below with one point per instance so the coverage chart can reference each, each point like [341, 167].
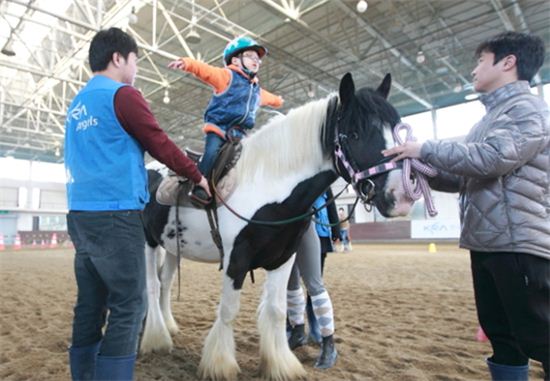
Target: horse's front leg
[155, 334]
[277, 362]
[218, 360]
[166, 280]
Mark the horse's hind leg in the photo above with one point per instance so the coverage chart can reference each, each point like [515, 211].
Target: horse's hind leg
[166, 280]
[155, 334]
[277, 362]
[218, 354]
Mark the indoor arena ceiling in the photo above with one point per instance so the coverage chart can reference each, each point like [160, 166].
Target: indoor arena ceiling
[426, 45]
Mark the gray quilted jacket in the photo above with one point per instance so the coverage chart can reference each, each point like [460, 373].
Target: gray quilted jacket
[502, 171]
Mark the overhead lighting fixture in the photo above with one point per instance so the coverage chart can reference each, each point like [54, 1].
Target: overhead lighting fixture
[193, 37]
[166, 98]
[311, 91]
[420, 57]
[457, 88]
[361, 6]
[7, 50]
[471, 97]
[133, 18]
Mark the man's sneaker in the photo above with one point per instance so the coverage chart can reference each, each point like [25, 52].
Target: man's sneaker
[199, 197]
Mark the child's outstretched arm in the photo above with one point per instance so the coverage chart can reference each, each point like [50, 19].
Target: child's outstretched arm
[216, 77]
[268, 99]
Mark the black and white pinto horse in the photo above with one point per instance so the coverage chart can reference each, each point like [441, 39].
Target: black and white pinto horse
[283, 168]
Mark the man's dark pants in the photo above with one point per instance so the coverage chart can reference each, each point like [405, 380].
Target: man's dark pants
[109, 267]
[512, 292]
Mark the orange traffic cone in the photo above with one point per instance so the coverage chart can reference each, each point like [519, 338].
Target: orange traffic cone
[17, 242]
[2, 246]
[53, 243]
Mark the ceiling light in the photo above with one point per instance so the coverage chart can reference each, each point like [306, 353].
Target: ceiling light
[311, 91]
[7, 50]
[166, 98]
[471, 97]
[361, 6]
[133, 18]
[57, 152]
[457, 88]
[193, 37]
[420, 57]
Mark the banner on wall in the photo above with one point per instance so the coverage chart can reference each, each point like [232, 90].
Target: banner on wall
[435, 229]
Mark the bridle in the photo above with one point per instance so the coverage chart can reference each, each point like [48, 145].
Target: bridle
[360, 180]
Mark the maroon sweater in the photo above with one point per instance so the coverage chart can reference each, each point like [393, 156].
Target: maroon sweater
[136, 118]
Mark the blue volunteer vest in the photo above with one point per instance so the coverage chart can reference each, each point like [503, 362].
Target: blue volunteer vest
[104, 164]
[236, 106]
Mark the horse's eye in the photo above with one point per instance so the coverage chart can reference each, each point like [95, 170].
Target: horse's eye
[354, 136]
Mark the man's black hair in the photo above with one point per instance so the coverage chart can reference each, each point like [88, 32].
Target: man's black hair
[527, 48]
[105, 43]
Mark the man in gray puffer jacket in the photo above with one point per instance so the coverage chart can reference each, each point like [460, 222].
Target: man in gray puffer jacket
[502, 171]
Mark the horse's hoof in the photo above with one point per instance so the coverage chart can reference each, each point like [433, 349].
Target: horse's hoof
[328, 355]
[297, 337]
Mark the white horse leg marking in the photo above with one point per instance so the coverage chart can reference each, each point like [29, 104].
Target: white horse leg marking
[218, 354]
[166, 280]
[277, 362]
[155, 334]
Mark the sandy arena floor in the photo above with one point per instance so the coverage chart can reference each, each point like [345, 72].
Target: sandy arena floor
[401, 314]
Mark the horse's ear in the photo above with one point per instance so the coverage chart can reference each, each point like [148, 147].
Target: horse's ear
[385, 86]
[347, 89]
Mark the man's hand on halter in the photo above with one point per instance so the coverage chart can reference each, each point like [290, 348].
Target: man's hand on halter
[408, 149]
[177, 65]
[204, 184]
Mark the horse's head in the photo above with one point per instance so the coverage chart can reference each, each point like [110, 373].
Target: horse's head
[364, 120]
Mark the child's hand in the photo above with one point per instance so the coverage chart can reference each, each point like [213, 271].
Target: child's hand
[177, 65]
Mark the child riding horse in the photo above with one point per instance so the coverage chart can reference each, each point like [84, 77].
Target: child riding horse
[283, 168]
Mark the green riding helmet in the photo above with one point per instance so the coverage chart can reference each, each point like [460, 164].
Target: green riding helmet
[239, 45]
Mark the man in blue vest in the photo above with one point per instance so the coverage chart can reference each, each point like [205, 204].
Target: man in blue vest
[108, 128]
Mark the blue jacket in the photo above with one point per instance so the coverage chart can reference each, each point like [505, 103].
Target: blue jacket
[236, 106]
[322, 216]
[104, 164]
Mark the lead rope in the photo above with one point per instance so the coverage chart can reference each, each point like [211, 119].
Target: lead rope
[415, 172]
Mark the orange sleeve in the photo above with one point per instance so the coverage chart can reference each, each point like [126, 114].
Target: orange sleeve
[217, 77]
[268, 99]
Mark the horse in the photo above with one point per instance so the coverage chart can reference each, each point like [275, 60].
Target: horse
[283, 167]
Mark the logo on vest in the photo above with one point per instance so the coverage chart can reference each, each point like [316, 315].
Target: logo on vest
[77, 113]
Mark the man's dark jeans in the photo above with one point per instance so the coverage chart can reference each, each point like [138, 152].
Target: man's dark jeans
[110, 274]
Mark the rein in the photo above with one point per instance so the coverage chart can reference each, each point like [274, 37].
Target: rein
[415, 172]
[274, 223]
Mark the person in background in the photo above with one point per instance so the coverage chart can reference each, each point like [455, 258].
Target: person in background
[308, 267]
[345, 240]
[236, 98]
[502, 172]
[108, 127]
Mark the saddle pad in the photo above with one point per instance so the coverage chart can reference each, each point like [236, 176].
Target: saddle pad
[174, 190]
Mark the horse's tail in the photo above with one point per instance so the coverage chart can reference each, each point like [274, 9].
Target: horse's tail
[155, 215]
[154, 179]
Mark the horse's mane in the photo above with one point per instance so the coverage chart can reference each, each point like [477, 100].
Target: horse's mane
[284, 143]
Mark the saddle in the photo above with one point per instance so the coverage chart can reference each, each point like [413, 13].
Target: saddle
[174, 190]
